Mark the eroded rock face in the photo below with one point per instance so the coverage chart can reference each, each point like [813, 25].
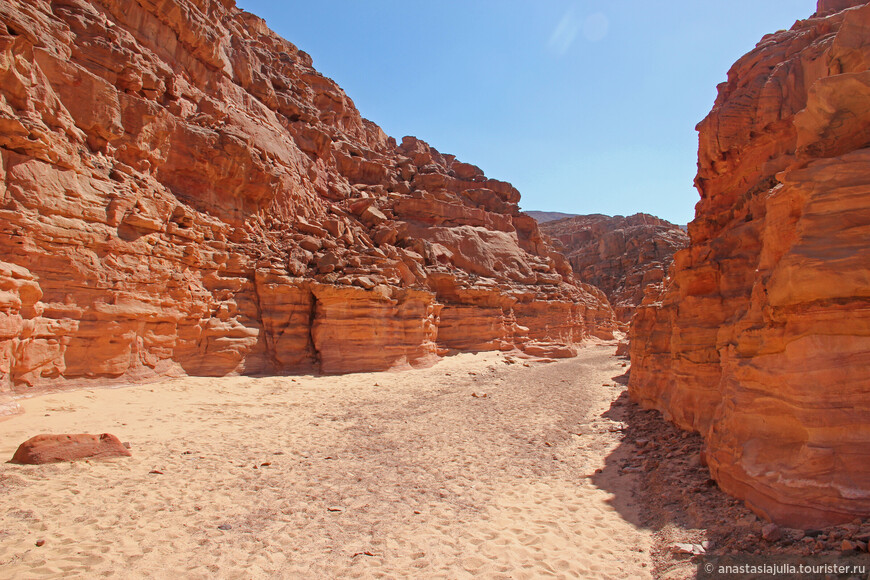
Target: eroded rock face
[59, 448]
[181, 192]
[620, 255]
[761, 341]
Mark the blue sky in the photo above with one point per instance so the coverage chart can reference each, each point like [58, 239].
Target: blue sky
[586, 106]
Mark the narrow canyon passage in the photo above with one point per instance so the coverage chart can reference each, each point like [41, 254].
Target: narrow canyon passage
[481, 466]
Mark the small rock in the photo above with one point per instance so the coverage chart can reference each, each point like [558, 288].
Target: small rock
[692, 549]
[335, 508]
[225, 527]
[847, 546]
[156, 472]
[40, 543]
[771, 532]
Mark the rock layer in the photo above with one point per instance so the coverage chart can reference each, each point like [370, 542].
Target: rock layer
[620, 255]
[761, 341]
[181, 192]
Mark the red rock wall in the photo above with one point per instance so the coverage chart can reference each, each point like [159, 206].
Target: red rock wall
[761, 341]
[181, 192]
[620, 255]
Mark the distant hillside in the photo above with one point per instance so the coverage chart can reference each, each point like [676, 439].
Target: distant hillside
[621, 255]
[549, 216]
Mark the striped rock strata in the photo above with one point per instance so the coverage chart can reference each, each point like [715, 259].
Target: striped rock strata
[620, 255]
[761, 341]
[181, 192]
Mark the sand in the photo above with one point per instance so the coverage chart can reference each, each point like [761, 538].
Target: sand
[412, 474]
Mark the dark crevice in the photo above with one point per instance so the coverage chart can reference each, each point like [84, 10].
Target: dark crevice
[315, 354]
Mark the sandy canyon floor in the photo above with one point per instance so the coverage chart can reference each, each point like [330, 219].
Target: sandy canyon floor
[485, 465]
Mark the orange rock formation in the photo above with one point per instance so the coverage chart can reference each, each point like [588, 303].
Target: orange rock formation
[181, 192]
[620, 255]
[60, 448]
[761, 341]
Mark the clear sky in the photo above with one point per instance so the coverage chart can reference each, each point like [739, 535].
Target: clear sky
[586, 106]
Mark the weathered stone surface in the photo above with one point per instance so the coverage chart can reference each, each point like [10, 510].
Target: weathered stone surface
[59, 448]
[549, 349]
[620, 255]
[761, 340]
[182, 193]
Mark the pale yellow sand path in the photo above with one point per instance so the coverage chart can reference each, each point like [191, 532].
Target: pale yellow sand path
[395, 475]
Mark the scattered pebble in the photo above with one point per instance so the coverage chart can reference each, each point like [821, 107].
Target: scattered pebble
[40, 543]
[225, 527]
[847, 546]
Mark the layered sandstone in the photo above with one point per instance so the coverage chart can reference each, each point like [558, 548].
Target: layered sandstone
[620, 255]
[761, 341]
[181, 192]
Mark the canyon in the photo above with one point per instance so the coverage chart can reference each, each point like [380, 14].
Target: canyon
[182, 193]
[620, 255]
[760, 340]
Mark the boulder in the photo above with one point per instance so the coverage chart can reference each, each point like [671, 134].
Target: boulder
[549, 350]
[60, 448]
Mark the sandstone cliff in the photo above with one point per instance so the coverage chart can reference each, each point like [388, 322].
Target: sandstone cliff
[620, 255]
[181, 192]
[761, 341]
